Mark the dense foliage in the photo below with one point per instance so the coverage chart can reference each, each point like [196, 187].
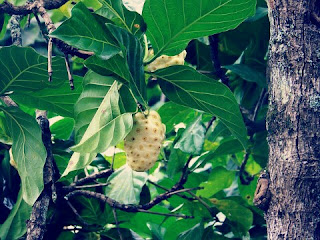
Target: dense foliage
[216, 127]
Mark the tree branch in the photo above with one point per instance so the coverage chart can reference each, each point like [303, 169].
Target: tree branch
[36, 226]
[214, 40]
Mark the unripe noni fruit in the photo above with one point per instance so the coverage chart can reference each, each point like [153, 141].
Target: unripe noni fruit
[142, 145]
[166, 61]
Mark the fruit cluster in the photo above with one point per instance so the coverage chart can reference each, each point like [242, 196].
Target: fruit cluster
[166, 61]
[142, 145]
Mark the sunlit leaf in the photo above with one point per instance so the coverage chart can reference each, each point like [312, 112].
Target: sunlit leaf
[24, 70]
[172, 24]
[83, 31]
[126, 185]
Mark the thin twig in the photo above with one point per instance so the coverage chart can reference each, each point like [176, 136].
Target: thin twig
[245, 178]
[214, 49]
[74, 210]
[166, 214]
[203, 203]
[88, 186]
[114, 211]
[259, 104]
[113, 157]
[91, 178]
[166, 189]
[66, 58]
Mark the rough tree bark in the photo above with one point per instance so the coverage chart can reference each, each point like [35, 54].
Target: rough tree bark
[293, 120]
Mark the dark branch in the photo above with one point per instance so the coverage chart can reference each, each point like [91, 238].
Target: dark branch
[36, 226]
[91, 178]
[214, 40]
[26, 9]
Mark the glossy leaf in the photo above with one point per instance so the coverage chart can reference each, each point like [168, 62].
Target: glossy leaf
[248, 73]
[116, 65]
[60, 100]
[192, 138]
[194, 233]
[15, 225]
[219, 179]
[108, 126]
[235, 212]
[118, 13]
[176, 161]
[126, 185]
[185, 86]
[4, 132]
[172, 24]
[134, 53]
[28, 151]
[83, 31]
[157, 231]
[95, 87]
[172, 114]
[77, 161]
[24, 70]
[62, 129]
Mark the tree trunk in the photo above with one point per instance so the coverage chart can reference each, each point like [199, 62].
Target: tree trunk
[293, 120]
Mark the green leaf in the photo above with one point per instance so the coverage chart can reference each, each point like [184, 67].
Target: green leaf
[23, 70]
[118, 13]
[219, 179]
[108, 126]
[192, 138]
[172, 114]
[4, 132]
[172, 24]
[235, 212]
[157, 231]
[77, 161]
[194, 233]
[15, 225]
[119, 159]
[60, 100]
[28, 151]
[116, 65]
[134, 53]
[248, 73]
[62, 129]
[126, 185]
[95, 87]
[185, 86]
[83, 31]
[176, 162]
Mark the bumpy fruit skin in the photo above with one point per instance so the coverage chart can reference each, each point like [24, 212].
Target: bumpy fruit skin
[166, 61]
[142, 145]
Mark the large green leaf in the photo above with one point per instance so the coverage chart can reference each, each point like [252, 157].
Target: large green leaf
[116, 65]
[248, 73]
[28, 151]
[60, 100]
[194, 233]
[192, 138]
[83, 31]
[172, 114]
[118, 13]
[128, 69]
[95, 87]
[173, 23]
[220, 179]
[15, 225]
[126, 185]
[134, 53]
[185, 86]
[78, 161]
[23, 70]
[235, 212]
[108, 126]
[62, 129]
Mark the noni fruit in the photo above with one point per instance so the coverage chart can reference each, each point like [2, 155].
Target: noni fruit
[142, 145]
